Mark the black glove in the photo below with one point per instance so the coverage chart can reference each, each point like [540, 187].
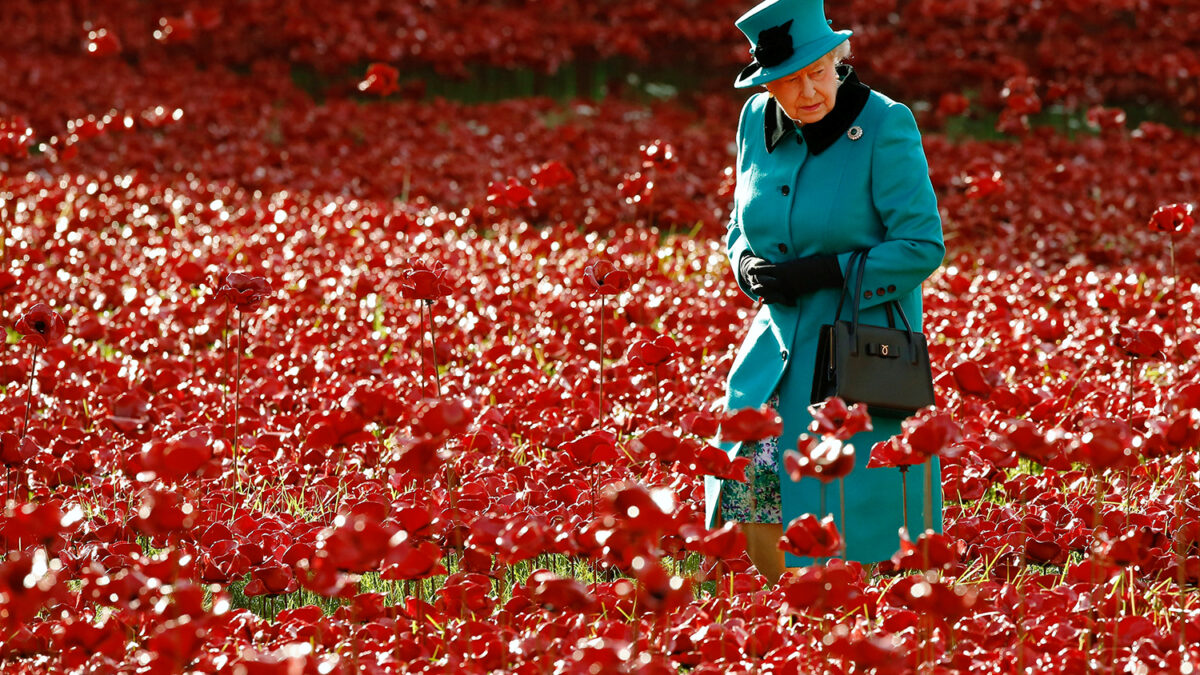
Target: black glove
[786, 281]
[751, 268]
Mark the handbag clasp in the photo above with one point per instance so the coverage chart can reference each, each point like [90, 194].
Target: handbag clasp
[882, 349]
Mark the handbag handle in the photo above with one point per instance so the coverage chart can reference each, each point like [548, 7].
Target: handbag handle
[846, 282]
[861, 257]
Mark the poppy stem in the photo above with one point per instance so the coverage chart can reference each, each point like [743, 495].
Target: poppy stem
[452, 493]
[237, 398]
[657, 402]
[1091, 627]
[29, 391]
[421, 347]
[904, 496]
[1181, 550]
[225, 341]
[1174, 293]
[437, 380]
[600, 387]
[1129, 400]
[822, 499]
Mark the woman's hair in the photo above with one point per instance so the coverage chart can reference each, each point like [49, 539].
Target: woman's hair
[841, 52]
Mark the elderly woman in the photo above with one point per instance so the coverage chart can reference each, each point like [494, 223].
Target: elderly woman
[826, 166]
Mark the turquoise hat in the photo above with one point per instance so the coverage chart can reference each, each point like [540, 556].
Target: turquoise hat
[785, 36]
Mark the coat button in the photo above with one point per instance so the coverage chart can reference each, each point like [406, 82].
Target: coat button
[783, 248]
[880, 291]
[867, 294]
[891, 288]
[783, 355]
[785, 190]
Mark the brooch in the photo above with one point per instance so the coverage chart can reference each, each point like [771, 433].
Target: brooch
[854, 133]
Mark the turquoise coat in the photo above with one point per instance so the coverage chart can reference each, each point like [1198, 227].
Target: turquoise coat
[869, 188]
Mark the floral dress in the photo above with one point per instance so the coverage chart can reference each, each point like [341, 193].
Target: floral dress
[758, 499]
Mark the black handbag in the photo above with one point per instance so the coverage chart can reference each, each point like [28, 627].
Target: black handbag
[884, 367]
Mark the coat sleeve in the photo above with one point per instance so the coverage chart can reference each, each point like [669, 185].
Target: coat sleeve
[912, 246]
[735, 240]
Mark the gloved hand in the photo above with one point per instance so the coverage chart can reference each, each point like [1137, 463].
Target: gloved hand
[786, 281]
[752, 269]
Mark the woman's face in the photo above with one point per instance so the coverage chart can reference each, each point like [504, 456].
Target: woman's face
[807, 95]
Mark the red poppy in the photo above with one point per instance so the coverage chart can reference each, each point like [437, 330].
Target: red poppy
[175, 30]
[243, 291]
[381, 80]
[702, 424]
[1024, 438]
[559, 594]
[14, 450]
[1136, 343]
[1173, 219]
[750, 424]
[594, 447]
[819, 589]
[406, 559]
[654, 353]
[552, 174]
[834, 418]
[926, 594]
[983, 181]
[15, 136]
[102, 42]
[973, 378]
[604, 279]
[951, 104]
[727, 541]
[439, 417]
[1180, 431]
[1132, 547]
[271, 579]
[1105, 444]
[636, 187]
[1105, 119]
[658, 591]
[931, 435]
[659, 443]
[826, 461]
[660, 156]
[510, 194]
[930, 551]
[894, 452]
[41, 325]
[808, 537]
[713, 461]
[8, 281]
[424, 280]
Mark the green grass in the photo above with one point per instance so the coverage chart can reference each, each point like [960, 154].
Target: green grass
[503, 586]
[981, 126]
[484, 84]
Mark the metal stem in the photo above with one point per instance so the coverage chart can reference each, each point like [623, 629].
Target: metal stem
[29, 392]
[437, 380]
[600, 388]
[237, 396]
[421, 347]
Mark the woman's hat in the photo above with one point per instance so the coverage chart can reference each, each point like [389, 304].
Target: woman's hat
[785, 36]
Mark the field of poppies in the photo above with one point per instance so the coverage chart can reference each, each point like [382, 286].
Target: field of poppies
[311, 371]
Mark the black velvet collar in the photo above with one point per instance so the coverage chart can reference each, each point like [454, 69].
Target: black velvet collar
[851, 97]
